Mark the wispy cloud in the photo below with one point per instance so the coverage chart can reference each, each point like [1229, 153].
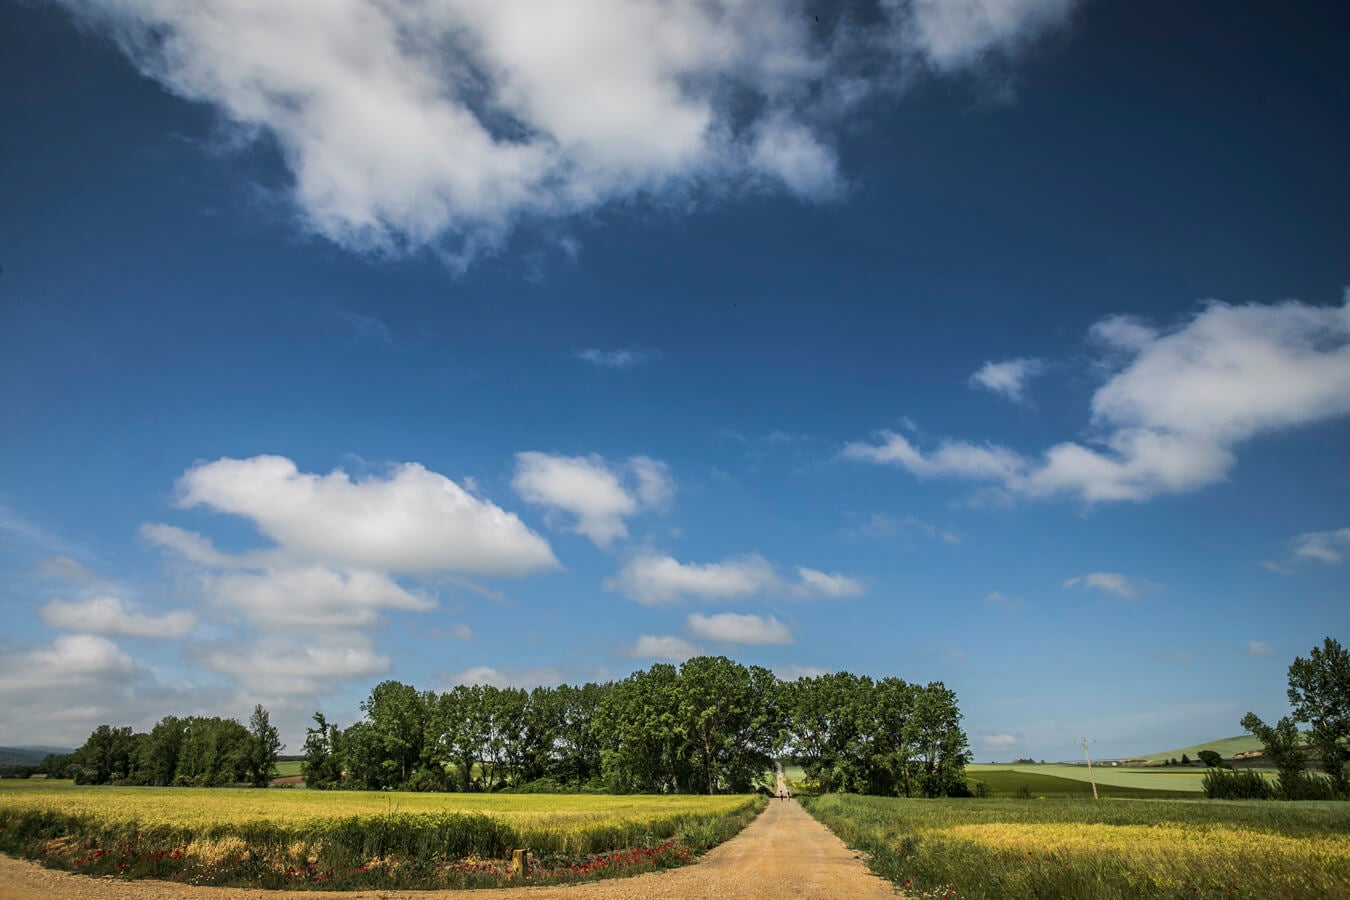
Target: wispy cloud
[367, 326]
[617, 359]
[69, 570]
[822, 584]
[1106, 582]
[1259, 648]
[884, 525]
[1327, 547]
[17, 528]
[999, 599]
[1181, 657]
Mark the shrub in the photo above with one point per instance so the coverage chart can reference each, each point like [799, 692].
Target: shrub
[1226, 784]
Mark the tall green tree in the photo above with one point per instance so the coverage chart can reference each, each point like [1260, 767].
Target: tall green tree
[264, 747]
[1319, 693]
[322, 765]
[398, 717]
[645, 744]
[941, 747]
[826, 718]
[731, 717]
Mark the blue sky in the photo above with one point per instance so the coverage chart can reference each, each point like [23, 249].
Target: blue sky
[1003, 344]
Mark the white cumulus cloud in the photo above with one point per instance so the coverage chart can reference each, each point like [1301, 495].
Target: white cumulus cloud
[280, 665]
[312, 596]
[794, 672]
[57, 693]
[1168, 420]
[412, 520]
[1259, 648]
[1000, 740]
[734, 628]
[655, 580]
[599, 495]
[407, 124]
[309, 606]
[110, 616]
[667, 647]
[1008, 378]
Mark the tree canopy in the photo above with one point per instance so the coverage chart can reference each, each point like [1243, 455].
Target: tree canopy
[710, 725]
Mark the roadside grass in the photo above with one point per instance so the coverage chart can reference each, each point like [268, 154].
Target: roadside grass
[1072, 848]
[341, 839]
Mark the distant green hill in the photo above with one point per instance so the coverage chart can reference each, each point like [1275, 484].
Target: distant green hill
[27, 756]
[1226, 747]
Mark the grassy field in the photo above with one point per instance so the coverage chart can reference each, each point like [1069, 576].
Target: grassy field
[1069, 848]
[288, 768]
[1010, 781]
[1054, 780]
[275, 838]
[1146, 779]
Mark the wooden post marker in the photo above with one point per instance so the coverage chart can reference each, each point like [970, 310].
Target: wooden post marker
[520, 861]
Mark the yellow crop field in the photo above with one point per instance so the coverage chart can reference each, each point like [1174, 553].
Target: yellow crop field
[1108, 849]
[281, 837]
[205, 807]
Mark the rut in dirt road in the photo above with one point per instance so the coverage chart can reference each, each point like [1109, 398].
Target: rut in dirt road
[783, 853]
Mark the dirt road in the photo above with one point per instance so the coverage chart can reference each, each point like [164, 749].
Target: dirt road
[783, 853]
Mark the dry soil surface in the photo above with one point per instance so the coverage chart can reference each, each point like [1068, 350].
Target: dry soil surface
[783, 853]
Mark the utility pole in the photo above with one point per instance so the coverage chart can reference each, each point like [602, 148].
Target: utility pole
[1085, 741]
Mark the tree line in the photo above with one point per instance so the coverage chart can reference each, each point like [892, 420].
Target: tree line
[195, 751]
[710, 725]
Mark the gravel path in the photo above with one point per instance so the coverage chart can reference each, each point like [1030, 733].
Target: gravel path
[783, 853]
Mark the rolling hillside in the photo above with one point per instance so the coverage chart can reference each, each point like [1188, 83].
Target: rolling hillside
[1225, 747]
